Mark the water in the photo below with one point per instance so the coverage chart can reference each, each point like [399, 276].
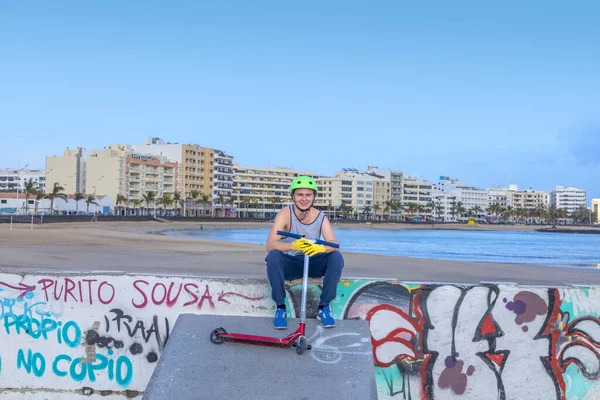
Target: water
[556, 249]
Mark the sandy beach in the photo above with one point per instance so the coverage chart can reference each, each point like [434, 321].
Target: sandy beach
[138, 247]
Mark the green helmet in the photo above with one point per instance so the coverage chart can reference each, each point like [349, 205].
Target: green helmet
[303, 182]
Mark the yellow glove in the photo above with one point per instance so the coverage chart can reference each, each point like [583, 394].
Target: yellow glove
[312, 248]
[300, 244]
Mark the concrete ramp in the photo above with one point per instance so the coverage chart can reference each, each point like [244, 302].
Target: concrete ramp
[191, 367]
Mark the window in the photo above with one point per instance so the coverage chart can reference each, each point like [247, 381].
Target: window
[3, 201]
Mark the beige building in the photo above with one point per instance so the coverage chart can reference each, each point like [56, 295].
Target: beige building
[365, 192]
[259, 192]
[67, 170]
[118, 170]
[333, 191]
[530, 199]
[197, 164]
[596, 208]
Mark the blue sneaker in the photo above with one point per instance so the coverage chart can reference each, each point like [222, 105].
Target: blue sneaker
[325, 317]
[279, 322]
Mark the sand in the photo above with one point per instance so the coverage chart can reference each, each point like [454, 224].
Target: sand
[138, 247]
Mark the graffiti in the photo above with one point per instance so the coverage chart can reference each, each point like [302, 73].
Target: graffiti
[428, 341]
[440, 341]
[123, 320]
[20, 287]
[326, 353]
[103, 292]
[161, 294]
[119, 370]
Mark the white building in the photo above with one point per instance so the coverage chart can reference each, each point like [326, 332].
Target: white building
[449, 192]
[223, 180]
[16, 204]
[569, 198]
[15, 179]
[499, 196]
[369, 187]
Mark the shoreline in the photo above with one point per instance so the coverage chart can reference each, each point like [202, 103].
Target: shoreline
[128, 247]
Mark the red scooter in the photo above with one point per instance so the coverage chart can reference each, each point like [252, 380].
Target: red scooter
[297, 338]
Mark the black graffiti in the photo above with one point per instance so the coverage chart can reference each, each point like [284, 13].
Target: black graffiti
[124, 323]
[136, 348]
[152, 357]
[94, 338]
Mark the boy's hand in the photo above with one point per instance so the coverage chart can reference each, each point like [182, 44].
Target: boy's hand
[312, 249]
[300, 244]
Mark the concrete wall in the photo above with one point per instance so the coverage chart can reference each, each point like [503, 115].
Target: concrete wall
[69, 335]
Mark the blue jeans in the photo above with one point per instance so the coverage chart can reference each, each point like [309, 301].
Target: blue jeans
[282, 267]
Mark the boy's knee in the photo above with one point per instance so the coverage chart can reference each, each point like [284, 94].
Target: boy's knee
[273, 256]
[336, 258]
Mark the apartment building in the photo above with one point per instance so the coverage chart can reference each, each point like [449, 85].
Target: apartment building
[596, 208]
[397, 188]
[118, 170]
[450, 192]
[500, 196]
[567, 198]
[415, 190]
[366, 192]
[529, 198]
[223, 183]
[197, 164]
[68, 170]
[15, 179]
[261, 192]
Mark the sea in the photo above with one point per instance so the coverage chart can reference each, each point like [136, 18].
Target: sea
[553, 249]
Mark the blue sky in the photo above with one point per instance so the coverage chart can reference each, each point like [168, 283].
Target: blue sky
[489, 94]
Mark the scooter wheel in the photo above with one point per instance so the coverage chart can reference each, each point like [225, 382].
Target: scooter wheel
[214, 336]
[301, 345]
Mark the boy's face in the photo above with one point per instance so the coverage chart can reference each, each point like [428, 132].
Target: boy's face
[303, 198]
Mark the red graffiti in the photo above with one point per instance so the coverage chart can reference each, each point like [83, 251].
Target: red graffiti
[21, 287]
[223, 294]
[171, 294]
[79, 291]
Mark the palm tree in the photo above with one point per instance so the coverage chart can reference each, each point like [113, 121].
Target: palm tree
[38, 196]
[30, 190]
[412, 208]
[221, 201]
[460, 210]
[232, 201]
[91, 199]
[121, 199]
[205, 200]
[194, 195]
[430, 207]
[178, 201]
[376, 207]
[148, 198]
[367, 210]
[388, 208]
[136, 204]
[165, 200]
[77, 197]
[344, 209]
[245, 200]
[58, 192]
[477, 211]
[438, 210]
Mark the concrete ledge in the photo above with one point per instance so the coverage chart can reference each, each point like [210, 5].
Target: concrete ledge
[340, 365]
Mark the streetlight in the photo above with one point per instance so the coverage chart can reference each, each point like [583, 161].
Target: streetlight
[19, 183]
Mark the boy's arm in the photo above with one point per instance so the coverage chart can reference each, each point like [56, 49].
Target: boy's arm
[328, 235]
[280, 224]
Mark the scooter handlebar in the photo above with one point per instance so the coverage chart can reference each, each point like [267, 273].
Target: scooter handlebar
[318, 241]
